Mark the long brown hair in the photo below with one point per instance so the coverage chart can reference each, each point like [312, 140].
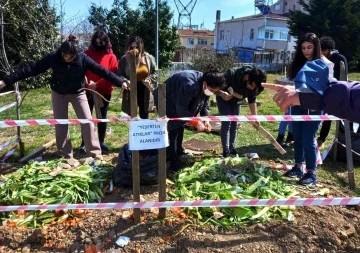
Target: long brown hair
[299, 58]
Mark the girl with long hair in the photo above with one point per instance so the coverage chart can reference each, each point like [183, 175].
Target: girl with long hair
[100, 51]
[307, 49]
[146, 74]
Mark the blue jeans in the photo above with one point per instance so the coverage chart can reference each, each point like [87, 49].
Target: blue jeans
[304, 136]
[228, 128]
[284, 124]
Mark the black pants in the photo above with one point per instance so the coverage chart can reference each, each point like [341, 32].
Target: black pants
[325, 129]
[175, 148]
[101, 126]
[143, 112]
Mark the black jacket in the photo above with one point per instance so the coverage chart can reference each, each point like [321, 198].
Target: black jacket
[336, 58]
[234, 79]
[67, 77]
[184, 97]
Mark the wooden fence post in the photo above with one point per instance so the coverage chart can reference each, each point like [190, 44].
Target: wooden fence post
[162, 151]
[349, 157]
[132, 57]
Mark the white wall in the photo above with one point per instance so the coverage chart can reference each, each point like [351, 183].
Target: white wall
[237, 34]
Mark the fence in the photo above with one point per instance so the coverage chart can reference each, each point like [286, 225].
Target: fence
[162, 204]
[14, 142]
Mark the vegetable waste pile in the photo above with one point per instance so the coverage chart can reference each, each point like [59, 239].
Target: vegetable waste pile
[52, 182]
[228, 179]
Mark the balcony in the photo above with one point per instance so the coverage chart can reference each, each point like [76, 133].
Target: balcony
[271, 44]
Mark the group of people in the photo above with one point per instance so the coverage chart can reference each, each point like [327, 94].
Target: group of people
[187, 94]
[98, 69]
[328, 50]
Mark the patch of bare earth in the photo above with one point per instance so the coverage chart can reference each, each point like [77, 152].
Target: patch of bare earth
[315, 229]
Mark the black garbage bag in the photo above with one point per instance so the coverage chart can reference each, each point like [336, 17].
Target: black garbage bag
[148, 163]
[355, 143]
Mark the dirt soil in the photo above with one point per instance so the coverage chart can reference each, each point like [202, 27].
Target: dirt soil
[315, 229]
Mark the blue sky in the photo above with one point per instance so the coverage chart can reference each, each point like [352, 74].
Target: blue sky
[205, 10]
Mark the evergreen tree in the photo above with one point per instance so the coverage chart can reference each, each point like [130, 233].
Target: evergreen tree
[339, 19]
[30, 32]
[121, 22]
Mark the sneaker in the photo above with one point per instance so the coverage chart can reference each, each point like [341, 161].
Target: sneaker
[289, 138]
[182, 152]
[82, 150]
[233, 152]
[308, 179]
[104, 147]
[174, 166]
[294, 172]
[280, 138]
[99, 157]
[225, 153]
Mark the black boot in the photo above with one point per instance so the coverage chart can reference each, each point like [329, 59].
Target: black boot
[103, 146]
[289, 138]
[280, 138]
[82, 149]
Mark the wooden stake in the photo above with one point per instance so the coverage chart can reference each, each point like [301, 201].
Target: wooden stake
[37, 151]
[132, 57]
[349, 158]
[336, 138]
[162, 151]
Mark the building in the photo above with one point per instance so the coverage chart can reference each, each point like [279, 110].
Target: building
[192, 42]
[284, 6]
[261, 37]
[196, 39]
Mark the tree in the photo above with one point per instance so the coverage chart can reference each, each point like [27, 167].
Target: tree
[339, 19]
[121, 22]
[29, 33]
[206, 58]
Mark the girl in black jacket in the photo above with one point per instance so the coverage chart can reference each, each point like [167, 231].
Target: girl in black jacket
[69, 66]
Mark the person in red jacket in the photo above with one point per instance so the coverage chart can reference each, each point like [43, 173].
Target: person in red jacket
[100, 51]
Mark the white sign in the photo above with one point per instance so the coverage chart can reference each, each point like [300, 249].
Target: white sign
[148, 134]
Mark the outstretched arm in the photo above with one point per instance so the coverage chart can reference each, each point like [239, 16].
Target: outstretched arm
[341, 99]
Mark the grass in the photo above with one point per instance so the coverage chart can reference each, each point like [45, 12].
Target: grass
[37, 105]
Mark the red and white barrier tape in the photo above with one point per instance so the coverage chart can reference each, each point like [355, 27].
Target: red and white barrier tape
[5, 144]
[6, 93]
[345, 147]
[8, 154]
[327, 151]
[38, 122]
[262, 118]
[5, 107]
[194, 203]
[244, 118]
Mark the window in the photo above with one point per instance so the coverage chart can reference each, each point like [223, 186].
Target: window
[277, 7]
[269, 34]
[222, 37]
[202, 42]
[251, 34]
[190, 41]
[284, 35]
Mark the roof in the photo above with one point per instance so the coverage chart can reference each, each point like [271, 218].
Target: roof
[200, 33]
[258, 16]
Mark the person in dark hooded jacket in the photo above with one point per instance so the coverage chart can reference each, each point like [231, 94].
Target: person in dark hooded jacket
[245, 82]
[69, 66]
[187, 95]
